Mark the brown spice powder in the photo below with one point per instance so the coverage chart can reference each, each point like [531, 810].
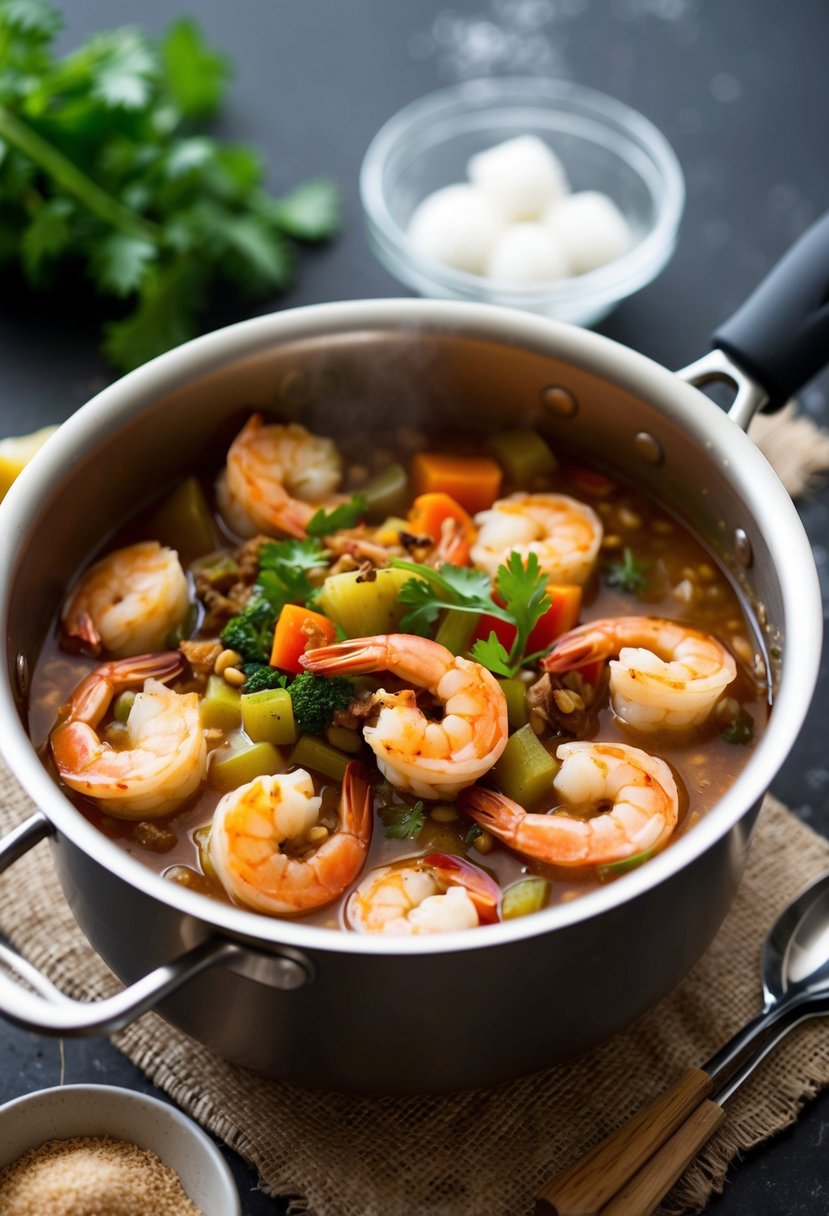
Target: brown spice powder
[92, 1176]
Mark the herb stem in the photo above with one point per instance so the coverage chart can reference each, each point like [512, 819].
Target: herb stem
[75, 182]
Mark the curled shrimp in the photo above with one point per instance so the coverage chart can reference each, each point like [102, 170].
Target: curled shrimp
[562, 532]
[128, 602]
[667, 675]
[437, 893]
[416, 754]
[164, 758]
[639, 788]
[276, 478]
[252, 822]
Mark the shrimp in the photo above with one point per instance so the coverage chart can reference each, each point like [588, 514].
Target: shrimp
[416, 754]
[643, 812]
[562, 532]
[128, 602]
[165, 756]
[667, 675]
[251, 822]
[276, 478]
[432, 894]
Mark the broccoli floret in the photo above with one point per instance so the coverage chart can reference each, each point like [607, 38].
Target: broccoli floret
[315, 700]
[259, 677]
[251, 632]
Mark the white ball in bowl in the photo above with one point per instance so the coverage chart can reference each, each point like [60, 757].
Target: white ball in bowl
[521, 177]
[527, 253]
[590, 228]
[457, 226]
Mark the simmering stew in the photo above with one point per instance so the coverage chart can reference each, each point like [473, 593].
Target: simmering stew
[422, 689]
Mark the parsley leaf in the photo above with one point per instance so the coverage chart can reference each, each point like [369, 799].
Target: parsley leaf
[311, 212]
[631, 574]
[120, 262]
[284, 571]
[346, 515]
[523, 588]
[403, 822]
[740, 729]
[194, 74]
[492, 654]
[431, 591]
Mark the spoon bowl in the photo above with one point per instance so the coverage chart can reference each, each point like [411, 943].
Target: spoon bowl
[795, 957]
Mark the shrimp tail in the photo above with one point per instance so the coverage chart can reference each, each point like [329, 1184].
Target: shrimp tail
[79, 635]
[356, 801]
[576, 649]
[479, 886]
[355, 657]
[493, 811]
[90, 699]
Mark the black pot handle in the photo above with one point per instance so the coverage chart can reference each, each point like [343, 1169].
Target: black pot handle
[780, 335]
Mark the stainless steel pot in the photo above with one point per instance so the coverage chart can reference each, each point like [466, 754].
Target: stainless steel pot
[350, 1011]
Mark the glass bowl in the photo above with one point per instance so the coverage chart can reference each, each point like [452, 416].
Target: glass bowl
[602, 144]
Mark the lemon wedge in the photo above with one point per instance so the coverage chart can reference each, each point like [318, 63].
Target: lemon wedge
[15, 454]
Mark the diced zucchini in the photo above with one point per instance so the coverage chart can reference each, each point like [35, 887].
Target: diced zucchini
[523, 455]
[221, 705]
[525, 896]
[515, 692]
[386, 494]
[456, 630]
[612, 869]
[231, 768]
[314, 753]
[184, 522]
[343, 739]
[268, 716]
[526, 769]
[363, 608]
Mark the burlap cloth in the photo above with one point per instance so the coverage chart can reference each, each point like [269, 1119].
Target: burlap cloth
[485, 1152]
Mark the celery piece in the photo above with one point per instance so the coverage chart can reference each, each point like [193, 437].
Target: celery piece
[123, 704]
[231, 768]
[343, 739]
[612, 869]
[386, 494]
[522, 897]
[268, 716]
[183, 521]
[313, 752]
[523, 455]
[221, 705]
[526, 769]
[456, 629]
[362, 607]
[515, 692]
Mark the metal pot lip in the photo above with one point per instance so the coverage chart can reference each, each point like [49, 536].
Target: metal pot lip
[770, 505]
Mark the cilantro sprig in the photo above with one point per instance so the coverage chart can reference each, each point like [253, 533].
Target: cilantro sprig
[403, 822]
[283, 578]
[346, 515]
[103, 167]
[631, 574]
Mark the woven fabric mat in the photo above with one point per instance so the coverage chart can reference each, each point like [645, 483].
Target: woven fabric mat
[487, 1151]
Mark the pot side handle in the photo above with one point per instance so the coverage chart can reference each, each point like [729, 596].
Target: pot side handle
[47, 1010]
[780, 335]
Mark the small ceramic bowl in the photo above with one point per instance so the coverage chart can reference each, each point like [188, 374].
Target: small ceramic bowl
[105, 1110]
[602, 144]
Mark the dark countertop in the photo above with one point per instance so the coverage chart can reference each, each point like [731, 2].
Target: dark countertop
[742, 93]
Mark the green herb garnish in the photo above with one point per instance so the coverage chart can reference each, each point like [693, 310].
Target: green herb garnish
[403, 822]
[740, 730]
[102, 167]
[346, 515]
[283, 578]
[474, 833]
[631, 574]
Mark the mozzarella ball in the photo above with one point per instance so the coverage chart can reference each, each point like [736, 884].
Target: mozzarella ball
[590, 228]
[520, 177]
[527, 253]
[457, 226]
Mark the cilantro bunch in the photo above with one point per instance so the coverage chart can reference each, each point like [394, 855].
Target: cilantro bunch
[103, 169]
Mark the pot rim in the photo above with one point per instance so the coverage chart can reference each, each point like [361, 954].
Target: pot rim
[770, 505]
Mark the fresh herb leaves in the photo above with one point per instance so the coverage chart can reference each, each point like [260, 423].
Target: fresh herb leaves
[740, 729]
[283, 578]
[632, 574]
[523, 590]
[431, 591]
[101, 166]
[403, 822]
[346, 515]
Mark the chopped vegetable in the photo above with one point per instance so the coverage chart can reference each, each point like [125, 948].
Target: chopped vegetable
[228, 769]
[457, 587]
[294, 629]
[473, 481]
[251, 632]
[311, 752]
[184, 522]
[363, 606]
[220, 707]
[283, 578]
[346, 515]
[456, 631]
[515, 692]
[123, 704]
[261, 676]
[630, 574]
[561, 616]
[612, 869]
[105, 171]
[591, 481]
[343, 739]
[522, 589]
[387, 493]
[268, 716]
[523, 897]
[427, 515]
[740, 730]
[403, 822]
[201, 837]
[317, 698]
[523, 455]
[526, 769]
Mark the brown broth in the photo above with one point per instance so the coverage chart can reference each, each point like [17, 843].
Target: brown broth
[685, 583]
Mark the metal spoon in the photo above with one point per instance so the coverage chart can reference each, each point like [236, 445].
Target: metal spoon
[795, 975]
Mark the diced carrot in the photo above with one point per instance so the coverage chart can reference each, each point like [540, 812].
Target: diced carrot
[473, 481]
[427, 515]
[294, 629]
[562, 615]
[592, 482]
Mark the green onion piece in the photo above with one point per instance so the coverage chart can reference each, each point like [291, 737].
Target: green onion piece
[515, 692]
[614, 868]
[526, 769]
[386, 494]
[456, 630]
[523, 455]
[523, 897]
[314, 753]
[123, 704]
